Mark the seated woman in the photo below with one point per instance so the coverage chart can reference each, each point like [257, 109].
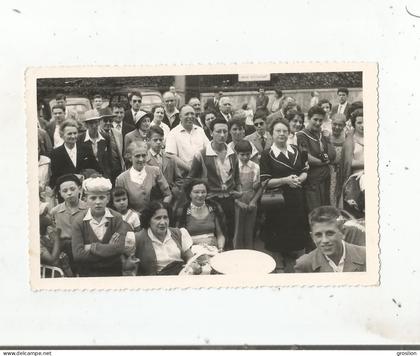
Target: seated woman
[162, 250]
[139, 180]
[51, 253]
[202, 218]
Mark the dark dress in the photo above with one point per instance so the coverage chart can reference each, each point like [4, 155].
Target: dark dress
[286, 228]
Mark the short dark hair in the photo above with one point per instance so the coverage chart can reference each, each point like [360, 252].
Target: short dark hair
[237, 122]
[278, 92]
[324, 214]
[69, 122]
[150, 209]
[191, 183]
[210, 111]
[218, 120]
[118, 192]
[315, 110]
[291, 115]
[60, 97]
[136, 93]
[56, 106]
[260, 114]
[343, 90]
[157, 107]
[354, 106]
[155, 130]
[354, 115]
[324, 101]
[243, 146]
[118, 105]
[97, 96]
[67, 178]
[278, 121]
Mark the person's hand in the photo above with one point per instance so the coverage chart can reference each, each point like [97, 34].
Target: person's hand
[167, 199]
[326, 133]
[54, 233]
[87, 247]
[236, 194]
[293, 181]
[115, 239]
[252, 206]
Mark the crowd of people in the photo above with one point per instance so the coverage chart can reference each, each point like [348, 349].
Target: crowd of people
[132, 192]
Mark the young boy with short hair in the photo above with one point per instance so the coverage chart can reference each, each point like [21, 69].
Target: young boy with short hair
[98, 237]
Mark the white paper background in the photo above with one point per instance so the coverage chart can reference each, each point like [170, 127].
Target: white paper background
[174, 32]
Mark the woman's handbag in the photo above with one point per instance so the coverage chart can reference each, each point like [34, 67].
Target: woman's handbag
[271, 197]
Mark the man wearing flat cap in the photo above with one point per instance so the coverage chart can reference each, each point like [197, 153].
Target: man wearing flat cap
[99, 142]
[98, 237]
[332, 253]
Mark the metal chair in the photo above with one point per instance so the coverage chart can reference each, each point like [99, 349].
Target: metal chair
[50, 271]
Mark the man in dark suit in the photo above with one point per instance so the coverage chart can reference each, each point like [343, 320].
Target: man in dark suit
[121, 128]
[332, 254]
[134, 99]
[225, 109]
[171, 117]
[261, 138]
[71, 157]
[100, 144]
[213, 103]
[343, 105]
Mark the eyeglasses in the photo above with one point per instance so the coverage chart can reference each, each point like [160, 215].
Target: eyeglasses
[259, 124]
[107, 120]
[136, 101]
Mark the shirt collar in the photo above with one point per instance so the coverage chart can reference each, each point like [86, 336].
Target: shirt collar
[62, 207]
[210, 151]
[277, 151]
[136, 172]
[114, 124]
[330, 261]
[89, 216]
[155, 239]
[176, 111]
[87, 138]
[182, 128]
[241, 165]
[265, 135]
[155, 154]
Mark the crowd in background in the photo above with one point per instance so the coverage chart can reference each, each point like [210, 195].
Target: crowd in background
[132, 192]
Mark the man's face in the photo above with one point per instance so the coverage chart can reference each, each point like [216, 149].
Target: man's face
[58, 115]
[342, 97]
[260, 126]
[135, 102]
[187, 116]
[225, 105]
[69, 191]
[70, 135]
[195, 103]
[172, 90]
[92, 126]
[97, 103]
[155, 142]
[106, 124]
[169, 100]
[261, 91]
[119, 114]
[220, 133]
[315, 122]
[327, 237]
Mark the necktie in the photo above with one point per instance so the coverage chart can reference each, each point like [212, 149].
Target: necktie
[262, 142]
[119, 127]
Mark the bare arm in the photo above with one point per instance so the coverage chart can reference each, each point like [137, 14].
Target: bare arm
[219, 236]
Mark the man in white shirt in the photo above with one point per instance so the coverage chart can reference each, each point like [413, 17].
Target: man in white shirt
[185, 140]
[196, 105]
[225, 108]
[332, 253]
[343, 105]
[53, 127]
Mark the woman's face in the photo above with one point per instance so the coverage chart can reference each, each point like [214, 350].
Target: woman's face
[280, 133]
[138, 158]
[358, 125]
[70, 135]
[296, 124]
[198, 194]
[145, 124]
[337, 127]
[158, 115]
[159, 222]
[209, 118]
[326, 107]
[237, 132]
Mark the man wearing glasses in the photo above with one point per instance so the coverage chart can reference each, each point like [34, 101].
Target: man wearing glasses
[260, 138]
[171, 117]
[135, 101]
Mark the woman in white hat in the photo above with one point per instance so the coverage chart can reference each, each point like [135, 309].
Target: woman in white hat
[142, 122]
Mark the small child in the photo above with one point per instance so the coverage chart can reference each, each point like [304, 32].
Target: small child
[98, 237]
[119, 198]
[246, 206]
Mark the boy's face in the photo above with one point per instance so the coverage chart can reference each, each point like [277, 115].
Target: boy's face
[69, 191]
[97, 202]
[121, 203]
[155, 142]
[244, 156]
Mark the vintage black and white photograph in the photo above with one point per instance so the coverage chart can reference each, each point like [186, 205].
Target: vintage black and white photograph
[263, 175]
